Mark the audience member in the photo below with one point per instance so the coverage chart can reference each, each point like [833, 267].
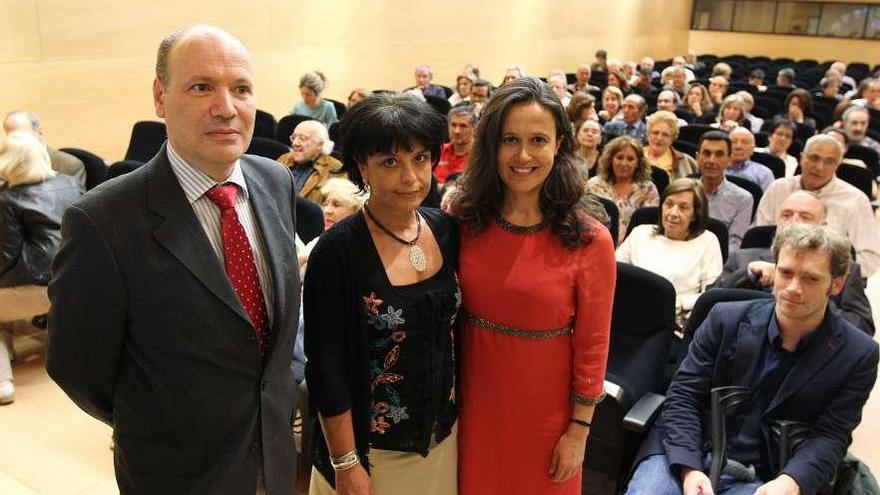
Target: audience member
[840, 68]
[780, 140]
[356, 95]
[678, 248]
[675, 78]
[798, 361]
[717, 90]
[455, 154]
[62, 162]
[557, 83]
[187, 362]
[581, 107]
[624, 177]
[481, 91]
[843, 138]
[612, 104]
[424, 75]
[753, 268]
[631, 123]
[582, 80]
[722, 69]
[855, 122]
[589, 137]
[697, 100]
[601, 63]
[742, 143]
[870, 96]
[729, 203]
[513, 73]
[463, 84]
[647, 64]
[642, 84]
[311, 85]
[798, 105]
[756, 79]
[309, 160]
[731, 114]
[668, 100]
[849, 211]
[753, 122]
[662, 130]
[618, 80]
[785, 77]
[679, 61]
[32, 201]
[829, 86]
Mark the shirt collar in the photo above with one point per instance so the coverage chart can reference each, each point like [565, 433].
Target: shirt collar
[822, 190]
[775, 339]
[195, 182]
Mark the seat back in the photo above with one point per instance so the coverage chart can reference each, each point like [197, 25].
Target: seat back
[613, 217]
[264, 125]
[267, 148]
[147, 138]
[339, 107]
[774, 163]
[309, 219]
[96, 168]
[686, 147]
[866, 155]
[692, 132]
[651, 215]
[758, 237]
[122, 167]
[660, 178]
[859, 177]
[441, 105]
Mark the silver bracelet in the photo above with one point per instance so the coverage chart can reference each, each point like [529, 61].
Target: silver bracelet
[345, 461]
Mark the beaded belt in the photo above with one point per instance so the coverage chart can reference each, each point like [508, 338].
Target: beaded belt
[516, 332]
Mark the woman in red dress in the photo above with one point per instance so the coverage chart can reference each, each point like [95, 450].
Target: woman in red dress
[537, 274]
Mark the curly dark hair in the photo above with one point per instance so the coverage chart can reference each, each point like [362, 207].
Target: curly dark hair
[382, 122]
[571, 213]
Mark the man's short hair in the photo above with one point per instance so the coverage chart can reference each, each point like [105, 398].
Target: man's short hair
[757, 74]
[464, 109]
[32, 118]
[854, 109]
[839, 131]
[172, 38]
[824, 138]
[787, 72]
[424, 68]
[639, 100]
[809, 237]
[675, 96]
[715, 136]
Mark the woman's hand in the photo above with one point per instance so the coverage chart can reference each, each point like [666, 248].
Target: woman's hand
[696, 109]
[568, 455]
[795, 113]
[354, 481]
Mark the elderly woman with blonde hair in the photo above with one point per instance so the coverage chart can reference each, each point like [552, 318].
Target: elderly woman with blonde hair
[311, 85]
[32, 202]
[662, 132]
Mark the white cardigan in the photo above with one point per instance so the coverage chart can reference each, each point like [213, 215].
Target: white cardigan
[690, 265]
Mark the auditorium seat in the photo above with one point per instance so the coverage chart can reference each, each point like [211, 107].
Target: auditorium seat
[96, 168]
[147, 138]
[286, 126]
[264, 125]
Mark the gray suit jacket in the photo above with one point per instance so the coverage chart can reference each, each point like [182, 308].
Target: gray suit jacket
[852, 300]
[147, 334]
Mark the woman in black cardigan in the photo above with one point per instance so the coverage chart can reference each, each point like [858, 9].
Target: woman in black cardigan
[380, 301]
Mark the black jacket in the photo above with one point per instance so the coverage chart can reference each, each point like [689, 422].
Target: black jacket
[30, 228]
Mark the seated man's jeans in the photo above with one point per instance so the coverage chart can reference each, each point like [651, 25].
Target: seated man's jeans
[653, 477]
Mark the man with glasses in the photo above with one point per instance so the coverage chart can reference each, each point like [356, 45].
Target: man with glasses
[849, 211]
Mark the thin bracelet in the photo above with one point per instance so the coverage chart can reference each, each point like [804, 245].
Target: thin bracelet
[581, 422]
[345, 461]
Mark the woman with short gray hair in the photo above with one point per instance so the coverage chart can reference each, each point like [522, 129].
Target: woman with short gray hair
[311, 85]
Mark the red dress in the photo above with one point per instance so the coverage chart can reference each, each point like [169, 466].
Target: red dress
[535, 337]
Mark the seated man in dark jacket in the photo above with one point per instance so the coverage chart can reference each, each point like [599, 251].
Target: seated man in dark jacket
[800, 362]
[753, 268]
[32, 201]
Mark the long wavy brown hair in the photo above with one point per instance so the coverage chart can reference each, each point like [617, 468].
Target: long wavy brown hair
[563, 201]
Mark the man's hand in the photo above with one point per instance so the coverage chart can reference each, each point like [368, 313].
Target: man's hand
[695, 482]
[354, 481]
[783, 485]
[568, 455]
[763, 272]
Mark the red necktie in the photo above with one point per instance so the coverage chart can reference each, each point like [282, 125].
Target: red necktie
[239, 259]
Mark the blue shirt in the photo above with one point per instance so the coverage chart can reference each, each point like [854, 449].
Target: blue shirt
[325, 113]
[771, 370]
[733, 206]
[301, 174]
[618, 127]
[753, 171]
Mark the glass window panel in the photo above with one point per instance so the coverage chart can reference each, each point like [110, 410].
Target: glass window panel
[874, 23]
[754, 16]
[713, 15]
[843, 20]
[798, 18]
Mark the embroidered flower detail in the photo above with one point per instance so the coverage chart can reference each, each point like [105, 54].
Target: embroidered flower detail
[391, 319]
[379, 425]
[457, 298]
[398, 336]
[398, 414]
[381, 407]
[387, 378]
[372, 303]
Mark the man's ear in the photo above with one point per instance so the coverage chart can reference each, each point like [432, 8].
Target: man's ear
[159, 97]
[837, 285]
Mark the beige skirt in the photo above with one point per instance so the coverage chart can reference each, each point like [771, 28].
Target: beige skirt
[396, 473]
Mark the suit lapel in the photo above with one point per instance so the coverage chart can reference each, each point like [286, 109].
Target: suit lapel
[277, 240]
[183, 235]
[826, 345]
[749, 341]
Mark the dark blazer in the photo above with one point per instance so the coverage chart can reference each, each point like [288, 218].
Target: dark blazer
[852, 300]
[147, 334]
[30, 228]
[827, 388]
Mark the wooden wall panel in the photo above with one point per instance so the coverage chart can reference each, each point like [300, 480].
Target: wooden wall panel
[86, 66]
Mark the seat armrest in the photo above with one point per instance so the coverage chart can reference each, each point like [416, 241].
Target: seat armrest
[642, 415]
[614, 391]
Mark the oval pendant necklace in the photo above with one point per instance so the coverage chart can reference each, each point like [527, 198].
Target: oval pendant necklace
[417, 257]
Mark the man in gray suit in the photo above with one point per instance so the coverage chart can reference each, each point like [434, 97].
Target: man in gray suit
[175, 294]
[755, 268]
